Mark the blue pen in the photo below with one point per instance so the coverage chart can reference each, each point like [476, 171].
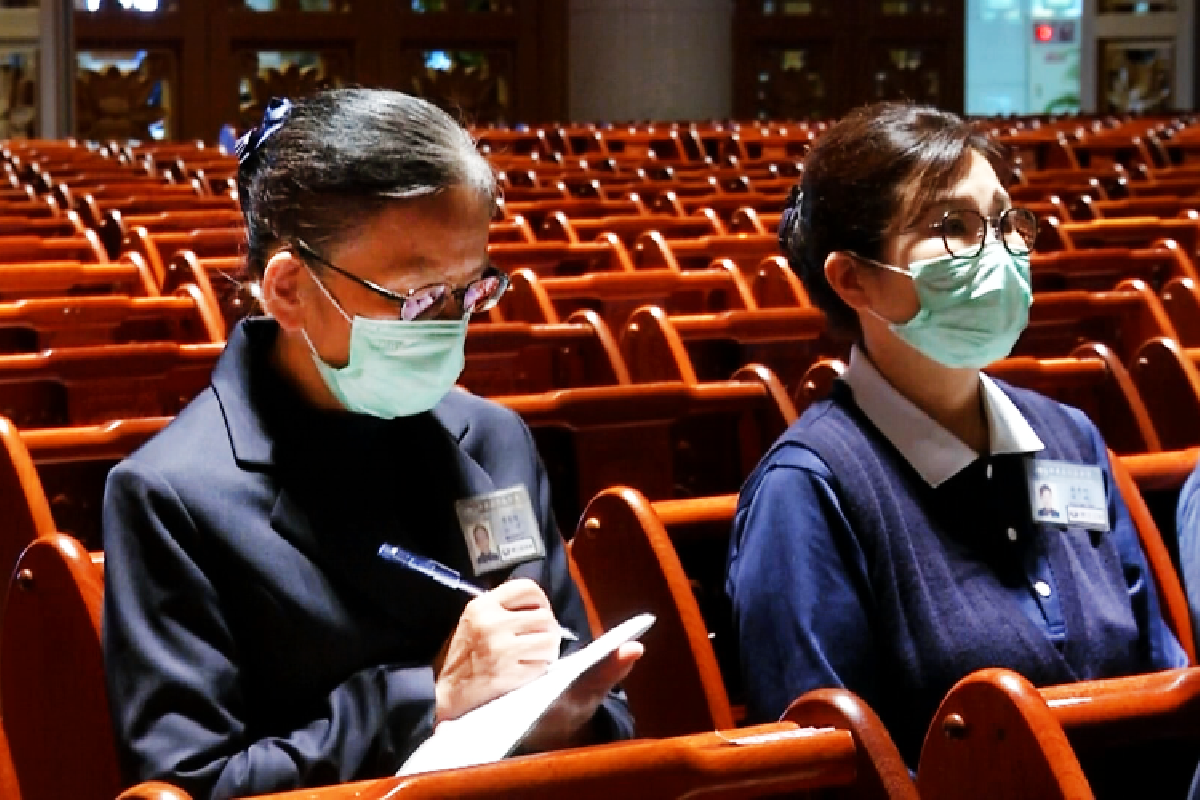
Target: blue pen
[439, 572]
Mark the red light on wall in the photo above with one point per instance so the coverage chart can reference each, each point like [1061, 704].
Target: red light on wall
[1043, 32]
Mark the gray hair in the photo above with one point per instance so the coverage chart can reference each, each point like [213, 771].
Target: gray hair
[340, 157]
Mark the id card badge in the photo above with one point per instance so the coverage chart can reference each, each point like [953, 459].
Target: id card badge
[500, 529]
[1062, 493]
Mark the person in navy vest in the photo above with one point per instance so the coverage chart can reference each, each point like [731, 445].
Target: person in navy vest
[888, 542]
[254, 638]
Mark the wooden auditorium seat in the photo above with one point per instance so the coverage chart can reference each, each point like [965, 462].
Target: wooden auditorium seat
[1103, 269]
[72, 464]
[994, 733]
[616, 295]
[1181, 301]
[95, 210]
[130, 276]
[535, 212]
[605, 254]
[746, 250]
[515, 230]
[1095, 381]
[117, 226]
[85, 385]
[775, 285]
[627, 564]
[665, 439]
[1119, 737]
[1162, 207]
[55, 713]
[53, 704]
[1168, 377]
[1123, 319]
[186, 317]
[559, 228]
[159, 248]
[82, 247]
[1122, 232]
[699, 347]
[67, 224]
[509, 358]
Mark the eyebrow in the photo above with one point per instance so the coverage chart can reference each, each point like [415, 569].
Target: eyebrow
[1000, 200]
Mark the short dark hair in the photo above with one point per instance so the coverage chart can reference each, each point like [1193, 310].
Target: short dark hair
[869, 177]
[1043, 489]
[340, 157]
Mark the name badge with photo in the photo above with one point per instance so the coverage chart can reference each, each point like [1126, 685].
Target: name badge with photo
[1061, 493]
[500, 529]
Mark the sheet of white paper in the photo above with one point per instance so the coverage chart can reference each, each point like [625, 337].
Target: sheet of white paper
[494, 730]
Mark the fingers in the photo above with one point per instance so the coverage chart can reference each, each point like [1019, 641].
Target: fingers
[519, 595]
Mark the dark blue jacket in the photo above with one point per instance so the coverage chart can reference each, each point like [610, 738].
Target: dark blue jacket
[253, 640]
[848, 569]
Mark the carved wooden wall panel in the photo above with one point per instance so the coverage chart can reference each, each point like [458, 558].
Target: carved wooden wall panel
[816, 59]
[219, 61]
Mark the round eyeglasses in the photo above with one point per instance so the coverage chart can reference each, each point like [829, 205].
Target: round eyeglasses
[964, 231]
[427, 302]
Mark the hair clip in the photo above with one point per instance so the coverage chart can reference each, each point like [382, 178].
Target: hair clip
[790, 218]
[273, 118]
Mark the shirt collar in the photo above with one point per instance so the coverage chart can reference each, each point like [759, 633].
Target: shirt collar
[934, 452]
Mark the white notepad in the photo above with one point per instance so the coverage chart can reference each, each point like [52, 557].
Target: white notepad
[492, 731]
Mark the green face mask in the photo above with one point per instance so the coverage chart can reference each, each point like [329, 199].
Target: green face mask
[397, 368]
[973, 309]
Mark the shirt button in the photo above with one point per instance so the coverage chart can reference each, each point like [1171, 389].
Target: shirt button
[989, 471]
[1042, 588]
[1012, 534]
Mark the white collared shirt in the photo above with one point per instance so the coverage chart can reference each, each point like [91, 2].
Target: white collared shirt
[934, 452]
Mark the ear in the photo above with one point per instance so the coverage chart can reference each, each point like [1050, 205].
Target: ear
[284, 288]
[844, 277]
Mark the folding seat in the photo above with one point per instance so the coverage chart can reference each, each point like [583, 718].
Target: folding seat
[33, 325]
[86, 385]
[559, 228]
[68, 197]
[723, 205]
[94, 210]
[1123, 319]
[1168, 379]
[118, 226]
[1120, 737]
[82, 247]
[626, 562]
[1181, 300]
[130, 277]
[1094, 380]
[1036, 151]
[1104, 268]
[652, 249]
[52, 479]
[1180, 187]
[53, 693]
[700, 347]
[535, 212]
[65, 225]
[605, 254]
[1161, 207]
[665, 439]
[1122, 232]
[160, 248]
[1113, 149]
[616, 295]
[511, 358]
[774, 285]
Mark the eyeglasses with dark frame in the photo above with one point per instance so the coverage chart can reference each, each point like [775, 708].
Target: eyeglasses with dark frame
[426, 302]
[964, 231]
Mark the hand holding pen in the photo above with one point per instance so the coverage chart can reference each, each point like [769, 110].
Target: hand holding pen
[440, 573]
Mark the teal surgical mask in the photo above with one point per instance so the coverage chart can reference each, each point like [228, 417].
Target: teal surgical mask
[397, 368]
[973, 309]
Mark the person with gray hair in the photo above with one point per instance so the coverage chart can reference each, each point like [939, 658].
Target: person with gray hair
[254, 638]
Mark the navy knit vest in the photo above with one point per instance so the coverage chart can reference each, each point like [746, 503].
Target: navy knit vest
[942, 569]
